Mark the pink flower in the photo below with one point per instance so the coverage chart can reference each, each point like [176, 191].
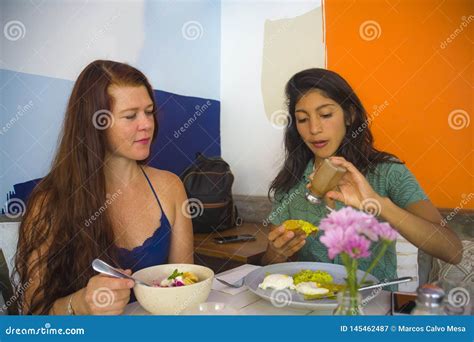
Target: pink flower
[334, 240]
[351, 231]
[357, 246]
[385, 232]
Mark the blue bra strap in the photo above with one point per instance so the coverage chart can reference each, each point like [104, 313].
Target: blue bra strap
[152, 189]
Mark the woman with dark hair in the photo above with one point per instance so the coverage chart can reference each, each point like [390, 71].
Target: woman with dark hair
[100, 200]
[327, 120]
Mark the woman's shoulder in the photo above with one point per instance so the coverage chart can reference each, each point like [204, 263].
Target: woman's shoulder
[160, 178]
[390, 166]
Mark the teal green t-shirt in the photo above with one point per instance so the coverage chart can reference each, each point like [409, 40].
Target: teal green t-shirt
[391, 180]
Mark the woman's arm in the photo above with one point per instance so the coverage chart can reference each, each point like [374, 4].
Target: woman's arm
[436, 240]
[419, 223]
[182, 245]
[87, 301]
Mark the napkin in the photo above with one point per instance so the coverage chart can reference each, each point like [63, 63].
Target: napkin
[231, 277]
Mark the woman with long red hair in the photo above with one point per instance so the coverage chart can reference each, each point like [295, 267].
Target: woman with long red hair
[100, 200]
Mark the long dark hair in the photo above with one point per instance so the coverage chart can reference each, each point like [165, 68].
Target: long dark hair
[356, 146]
[54, 237]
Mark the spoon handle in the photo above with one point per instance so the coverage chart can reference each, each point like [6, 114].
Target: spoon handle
[104, 268]
[387, 283]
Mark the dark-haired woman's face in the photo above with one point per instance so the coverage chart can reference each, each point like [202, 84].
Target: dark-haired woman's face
[132, 130]
[320, 123]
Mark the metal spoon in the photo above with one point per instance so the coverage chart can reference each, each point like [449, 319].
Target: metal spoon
[386, 283]
[104, 268]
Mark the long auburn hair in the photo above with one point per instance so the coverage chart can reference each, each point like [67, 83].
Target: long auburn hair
[53, 237]
[357, 145]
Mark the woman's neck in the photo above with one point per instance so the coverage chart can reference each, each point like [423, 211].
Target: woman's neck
[120, 172]
[317, 162]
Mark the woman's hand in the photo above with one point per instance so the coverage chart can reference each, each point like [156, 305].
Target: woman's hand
[282, 244]
[354, 189]
[104, 295]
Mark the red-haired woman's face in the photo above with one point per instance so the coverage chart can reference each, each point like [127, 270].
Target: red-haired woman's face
[133, 123]
[320, 123]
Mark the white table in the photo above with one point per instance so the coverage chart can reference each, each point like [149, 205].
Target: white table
[248, 303]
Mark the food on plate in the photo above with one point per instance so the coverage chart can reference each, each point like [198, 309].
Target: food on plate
[310, 288]
[305, 226]
[177, 279]
[311, 284]
[333, 289]
[277, 281]
[320, 277]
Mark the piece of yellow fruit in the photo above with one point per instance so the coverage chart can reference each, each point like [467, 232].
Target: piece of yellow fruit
[303, 225]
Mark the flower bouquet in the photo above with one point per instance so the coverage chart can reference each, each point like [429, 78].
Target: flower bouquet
[350, 233]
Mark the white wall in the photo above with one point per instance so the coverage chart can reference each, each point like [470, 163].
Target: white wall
[61, 38]
[250, 143]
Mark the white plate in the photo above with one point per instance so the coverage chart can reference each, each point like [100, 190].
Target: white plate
[291, 298]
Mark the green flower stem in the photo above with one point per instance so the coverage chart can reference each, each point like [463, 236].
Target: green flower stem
[374, 262]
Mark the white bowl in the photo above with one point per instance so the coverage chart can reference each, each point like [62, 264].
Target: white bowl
[172, 300]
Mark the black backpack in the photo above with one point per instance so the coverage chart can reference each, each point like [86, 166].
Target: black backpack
[208, 183]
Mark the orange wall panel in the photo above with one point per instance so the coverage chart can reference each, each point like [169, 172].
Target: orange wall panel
[415, 56]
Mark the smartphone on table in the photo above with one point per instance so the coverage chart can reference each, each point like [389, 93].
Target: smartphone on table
[234, 238]
[403, 302]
